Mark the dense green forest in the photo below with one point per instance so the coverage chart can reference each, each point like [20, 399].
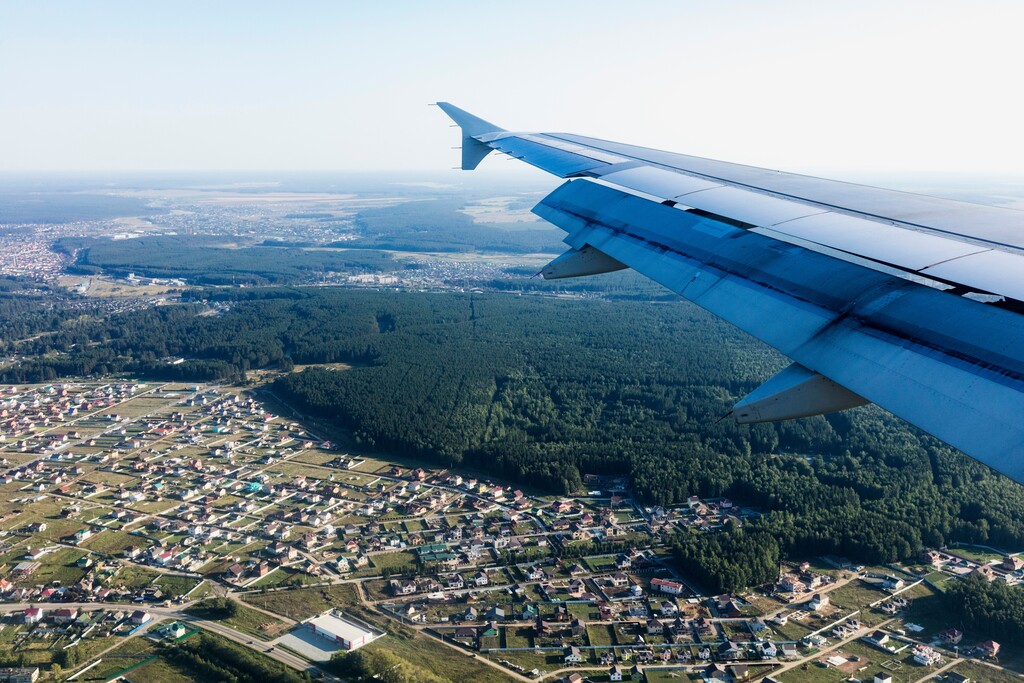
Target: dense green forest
[209, 260]
[994, 609]
[439, 225]
[208, 658]
[729, 561]
[543, 390]
[49, 204]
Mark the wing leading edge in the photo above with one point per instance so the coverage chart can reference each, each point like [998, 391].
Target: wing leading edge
[850, 290]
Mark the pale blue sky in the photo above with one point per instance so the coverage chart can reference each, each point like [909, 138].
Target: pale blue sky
[805, 86]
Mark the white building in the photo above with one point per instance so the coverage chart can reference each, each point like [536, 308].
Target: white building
[338, 628]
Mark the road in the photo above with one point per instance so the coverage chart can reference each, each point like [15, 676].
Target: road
[859, 633]
[178, 613]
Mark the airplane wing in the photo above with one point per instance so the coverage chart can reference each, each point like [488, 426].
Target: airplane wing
[907, 301]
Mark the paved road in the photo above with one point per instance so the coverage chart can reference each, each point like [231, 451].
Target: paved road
[179, 614]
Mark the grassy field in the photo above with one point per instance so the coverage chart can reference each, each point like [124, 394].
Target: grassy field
[133, 650]
[401, 560]
[518, 636]
[302, 603]
[58, 566]
[246, 620]
[316, 457]
[601, 564]
[133, 576]
[857, 596]
[178, 585]
[112, 479]
[940, 579]
[601, 634]
[983, 555]
[432, 655]
[111, 542]
[153, 670]
[793, 630]
[980, 672]
[931, 612]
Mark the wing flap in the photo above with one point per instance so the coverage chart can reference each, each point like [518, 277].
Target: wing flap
[998, 272]
[657, 182]
[748, 207]
[910, 249]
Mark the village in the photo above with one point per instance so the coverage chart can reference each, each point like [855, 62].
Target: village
[126, 504]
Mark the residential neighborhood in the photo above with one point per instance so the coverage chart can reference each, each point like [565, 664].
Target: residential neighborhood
[128, 502]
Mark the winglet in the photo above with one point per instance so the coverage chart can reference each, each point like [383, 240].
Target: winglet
[473, 151]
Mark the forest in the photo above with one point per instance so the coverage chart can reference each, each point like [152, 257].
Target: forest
[208, 658]
[994, 609]
[206, 260]
[440, 225]
[543, 390]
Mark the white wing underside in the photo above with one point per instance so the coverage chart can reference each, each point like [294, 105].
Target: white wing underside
[908, 301]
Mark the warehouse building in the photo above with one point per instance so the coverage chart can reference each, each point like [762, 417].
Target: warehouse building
[346, 631]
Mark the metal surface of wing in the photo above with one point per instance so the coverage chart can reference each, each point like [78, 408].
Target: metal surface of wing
[872, 289]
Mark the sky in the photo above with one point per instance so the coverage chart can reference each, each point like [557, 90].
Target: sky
[805, 86]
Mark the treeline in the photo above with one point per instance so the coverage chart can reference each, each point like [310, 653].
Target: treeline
[215, 609]
[29, 308]
[440, 225]
[207, 658]
[995, 609]
[202, 260]
[542, 391]
[370, 666]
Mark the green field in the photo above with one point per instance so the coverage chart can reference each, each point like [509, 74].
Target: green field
[400, 561]
[980, 672]
[982, 555]
[134, 576]
[111, 542]
[58, 566]
[453, 663]
[601, 634]
[664, 676]
[930, 611]
[286, 576]
[176, 585]
[301, 603]
[246, 620]
[133, 651]
[855, 595]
